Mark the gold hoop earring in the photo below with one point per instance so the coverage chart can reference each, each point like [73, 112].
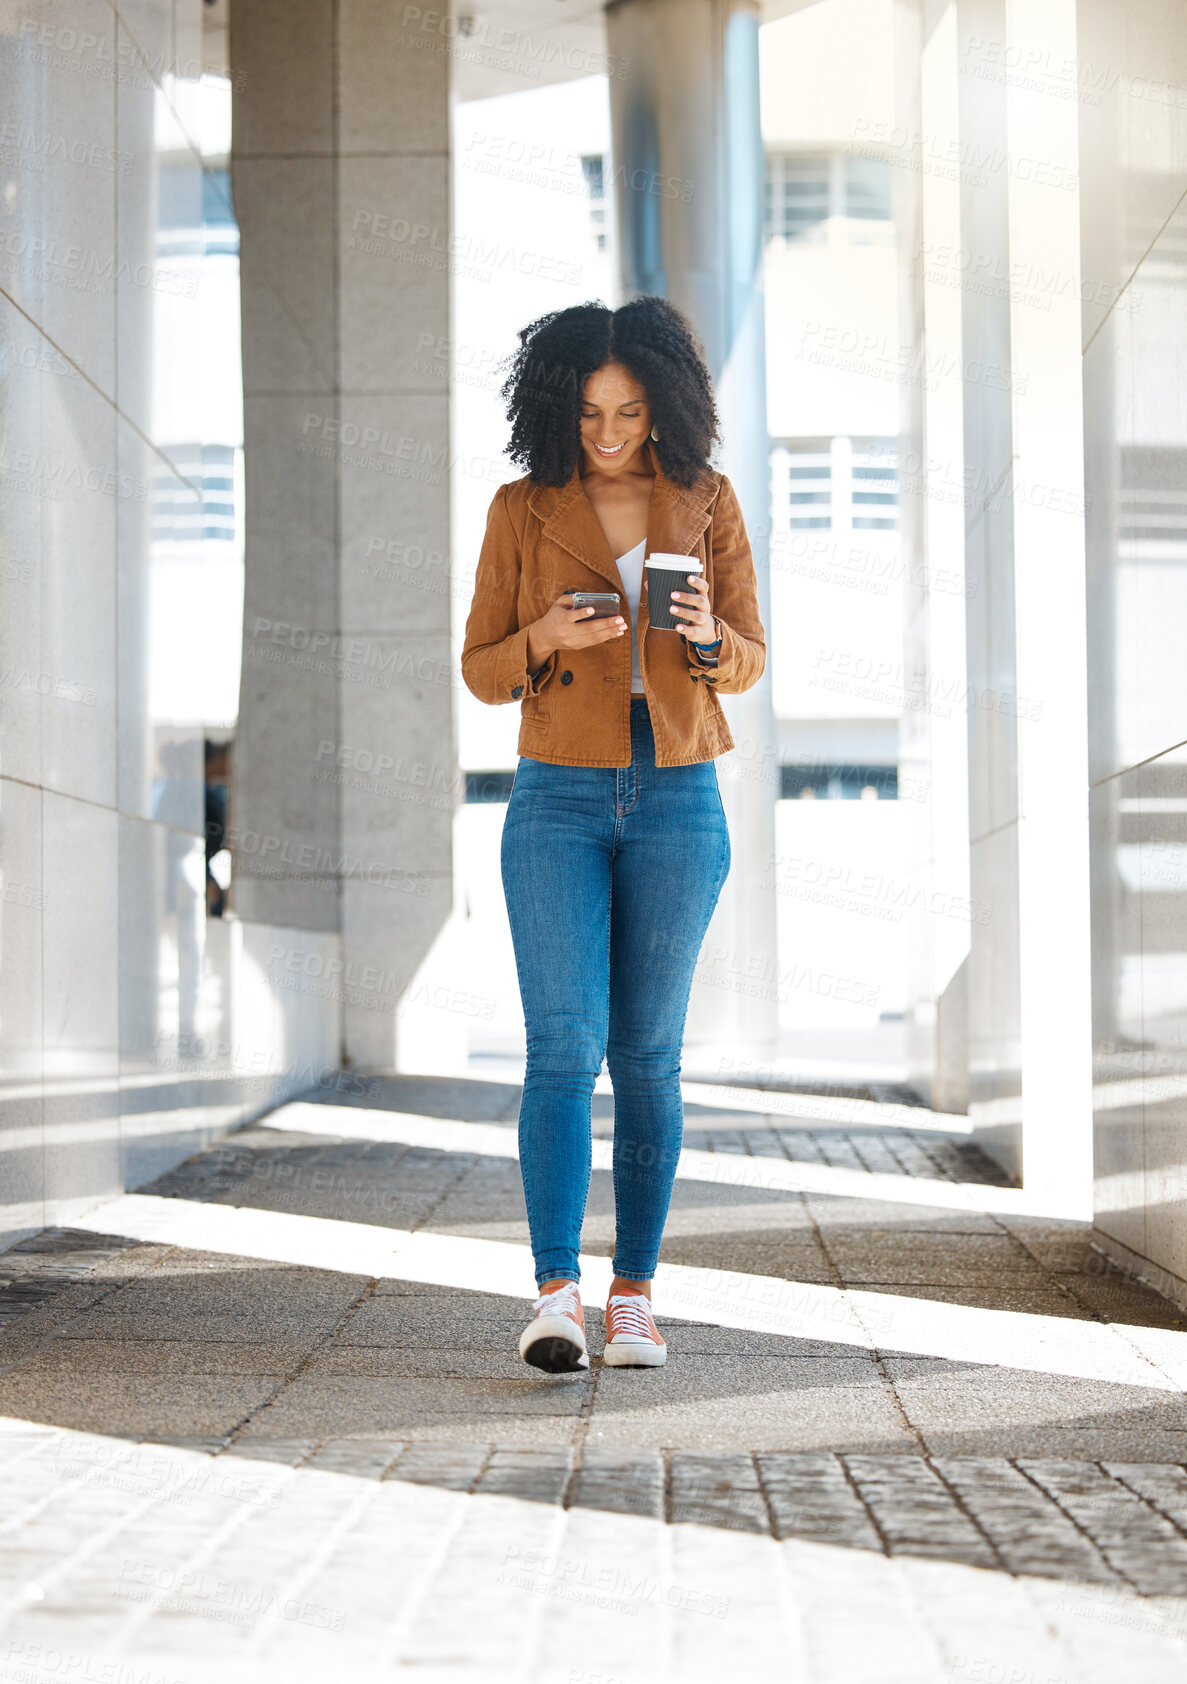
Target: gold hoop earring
[655, 435]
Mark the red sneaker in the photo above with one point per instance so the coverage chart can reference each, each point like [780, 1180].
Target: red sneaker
[555, 1341]
[632, 1338]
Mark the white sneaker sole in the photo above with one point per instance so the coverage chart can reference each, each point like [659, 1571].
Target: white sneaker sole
[634, 1353]
[554, 1344]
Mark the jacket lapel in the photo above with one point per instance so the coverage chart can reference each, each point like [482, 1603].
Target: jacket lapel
[675, 520]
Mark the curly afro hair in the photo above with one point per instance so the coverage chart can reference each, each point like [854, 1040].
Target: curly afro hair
[557, 354]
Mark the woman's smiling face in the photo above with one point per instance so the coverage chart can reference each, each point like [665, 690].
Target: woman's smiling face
[615, 420]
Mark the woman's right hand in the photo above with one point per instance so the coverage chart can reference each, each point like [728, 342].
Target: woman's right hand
[566, 627]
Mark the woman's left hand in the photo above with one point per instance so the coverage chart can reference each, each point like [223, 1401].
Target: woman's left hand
[698, 625]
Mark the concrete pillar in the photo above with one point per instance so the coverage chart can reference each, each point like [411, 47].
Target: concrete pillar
[1029, 967]
[933, 745]
[345, 764]
[688, 176]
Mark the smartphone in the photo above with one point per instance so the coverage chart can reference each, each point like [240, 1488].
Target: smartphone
[603, 603]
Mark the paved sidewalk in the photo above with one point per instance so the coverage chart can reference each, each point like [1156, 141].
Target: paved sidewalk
[913, 1441]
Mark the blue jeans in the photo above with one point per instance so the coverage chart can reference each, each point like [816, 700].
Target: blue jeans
[611, 875]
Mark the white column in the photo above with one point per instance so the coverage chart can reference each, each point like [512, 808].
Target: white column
[1029, 965]
[1050, 619]
[933, 752]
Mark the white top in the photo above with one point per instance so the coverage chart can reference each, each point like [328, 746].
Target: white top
[630, 566]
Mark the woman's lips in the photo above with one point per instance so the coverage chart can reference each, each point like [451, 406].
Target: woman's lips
[602, 451]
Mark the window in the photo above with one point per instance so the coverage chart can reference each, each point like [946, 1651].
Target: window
[798, 194]
[222, 231]
[1152, 501]
[802, 484]
[489, 786]
[177, 515]
[595, 181]
[834, 484]
[867, 190]
[819, 780]
[875, 485]
[194, 214]
[806, 191]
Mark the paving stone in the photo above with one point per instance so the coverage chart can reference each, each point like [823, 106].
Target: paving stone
[812, 1497]
[537, 1476]
[1031, 1535]
[915, 1513]
[799, 1147]
[687, 1339]
[704, 1207]
[1101, 1443]
[318, 1294]
[431, 1096]
[619, 1482]
[400, 1361]
[432, 1325]
[1115, 1299]
[339, 1408]
[997, 1398]
[1010, 1289]
[443, 1298]
[360, 1458]
[846, 1213]
[171, 1265]
[739, 1377]
[448, 1467]
[264, 1328]
[1023, 1300]
[1164, 1488]
[1138, 1542]
[285, 1452]
[863, 1417]
[1071, 1254]
[448, 1428]
[138, 1404]
[719, 1200]
[177, 1356]
[977, 1251]
[757, 1254]
[23, 1334]
[721, 1491]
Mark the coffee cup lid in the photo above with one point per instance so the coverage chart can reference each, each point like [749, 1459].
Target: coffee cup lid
[687, 563]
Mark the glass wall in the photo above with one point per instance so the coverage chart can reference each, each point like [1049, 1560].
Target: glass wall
[1134, 231]
[121, 580]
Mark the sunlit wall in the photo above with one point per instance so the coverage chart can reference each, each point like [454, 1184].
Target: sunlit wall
[132, 1024]
[1133, 124]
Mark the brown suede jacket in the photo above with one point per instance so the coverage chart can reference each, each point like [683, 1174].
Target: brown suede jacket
[543, 540]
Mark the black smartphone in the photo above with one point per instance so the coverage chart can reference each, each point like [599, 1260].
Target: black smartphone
[603, 603]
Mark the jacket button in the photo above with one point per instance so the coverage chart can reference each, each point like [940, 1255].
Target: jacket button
[566, 678]
[518, 691]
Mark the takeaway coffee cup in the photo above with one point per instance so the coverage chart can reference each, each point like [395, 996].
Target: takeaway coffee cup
[665, 574]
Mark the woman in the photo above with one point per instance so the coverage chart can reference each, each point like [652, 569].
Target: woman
[615, 845]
